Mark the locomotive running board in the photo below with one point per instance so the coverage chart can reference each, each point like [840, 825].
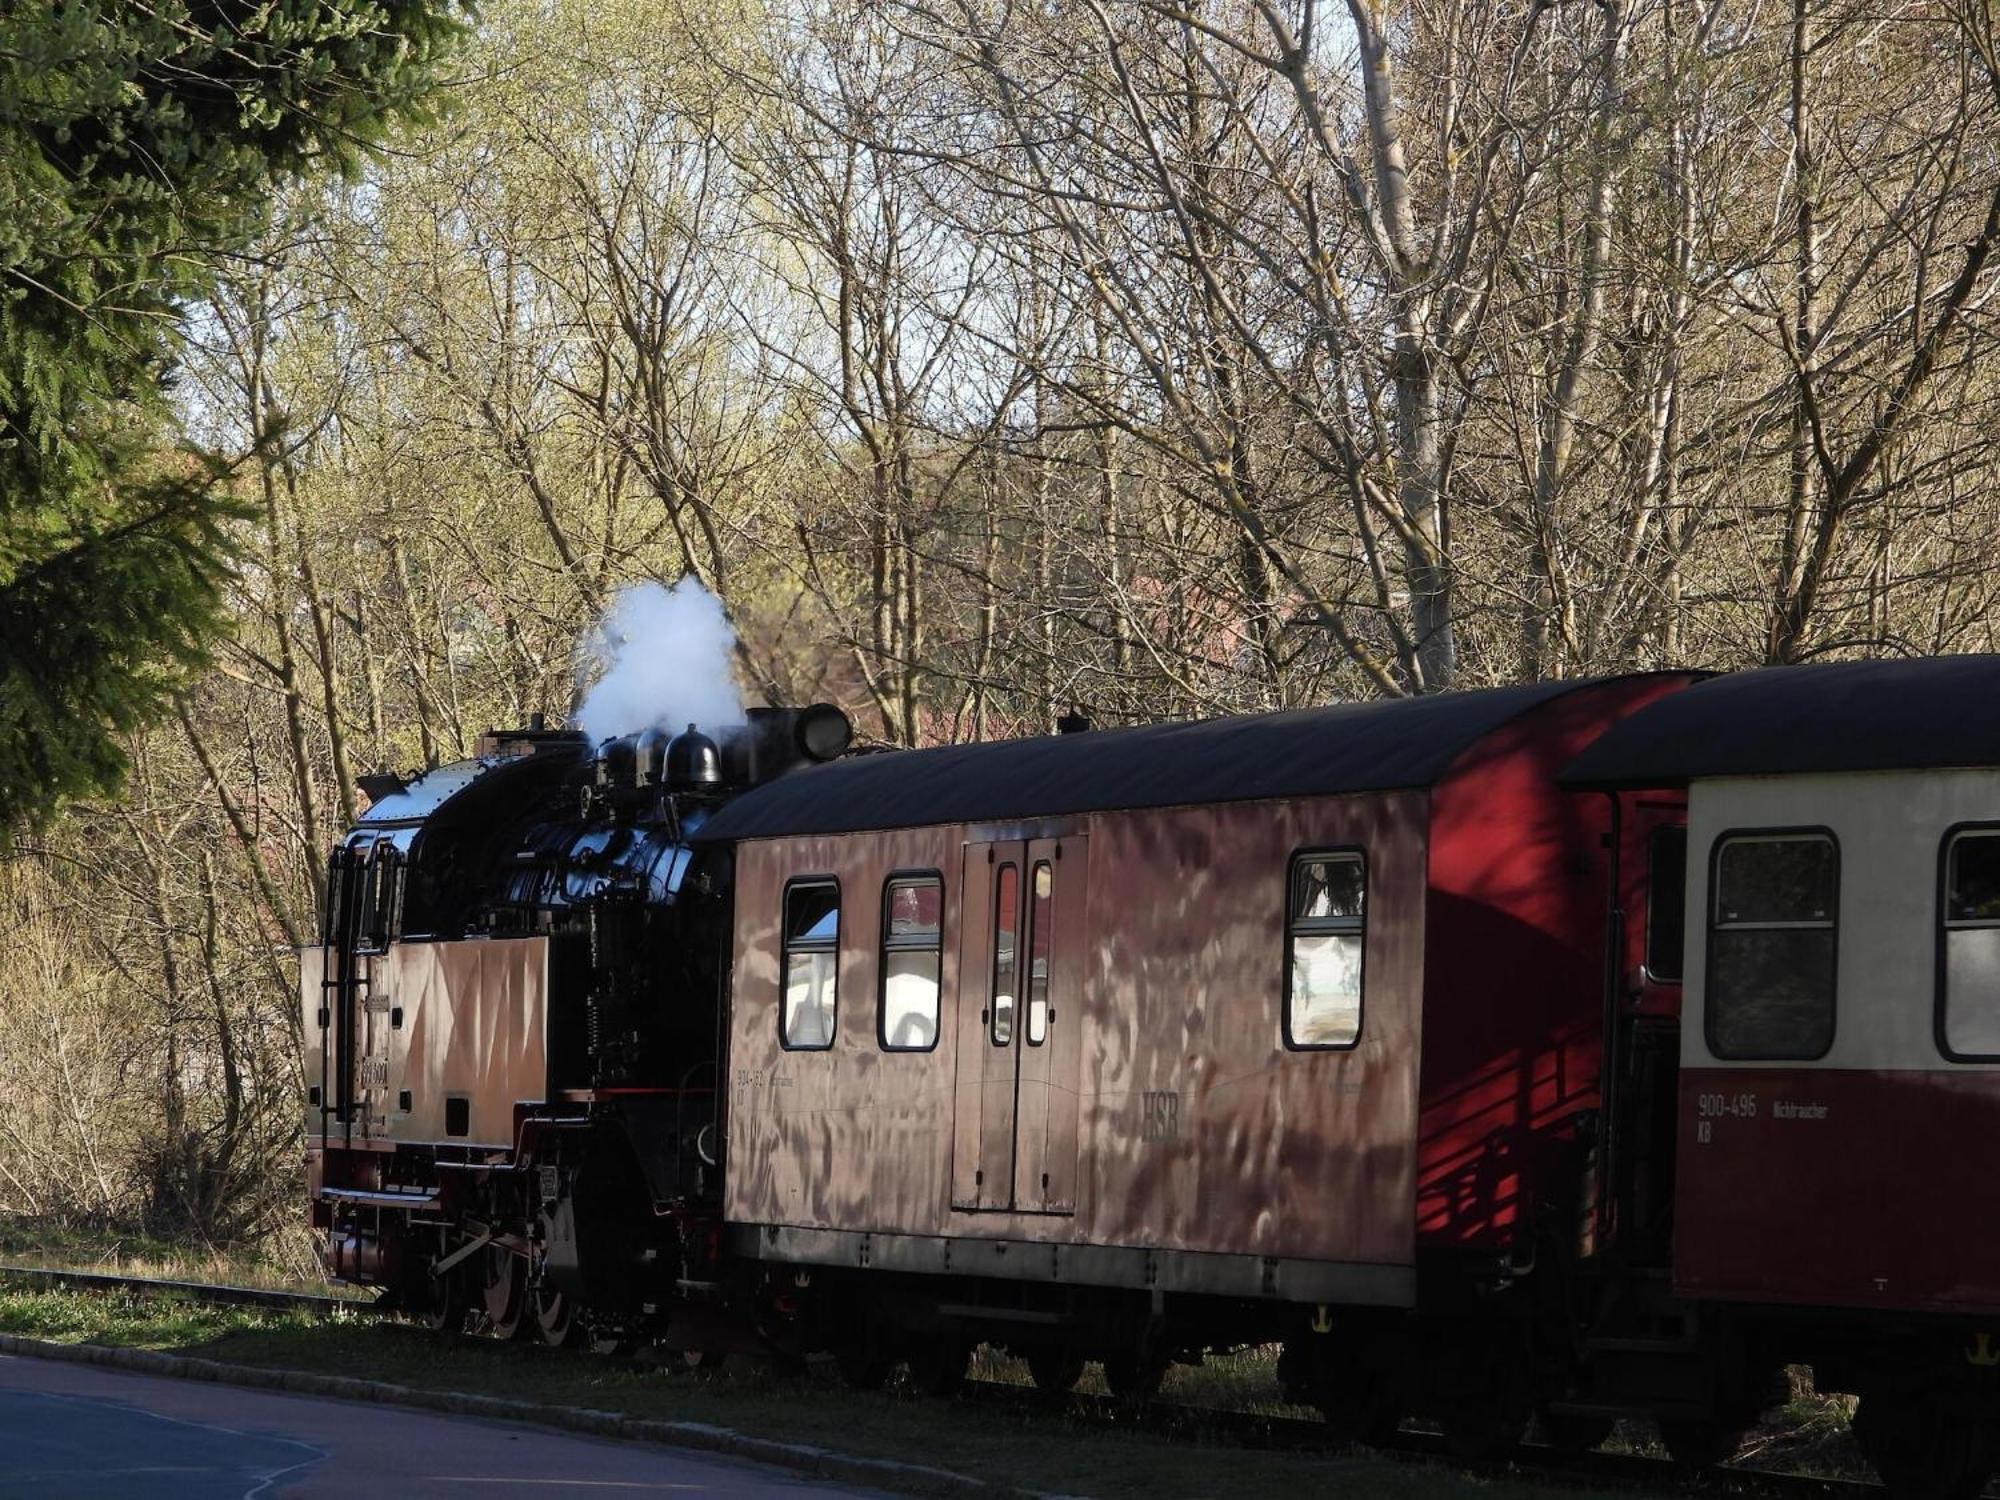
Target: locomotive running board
[379, 1199]
[1186, 1271]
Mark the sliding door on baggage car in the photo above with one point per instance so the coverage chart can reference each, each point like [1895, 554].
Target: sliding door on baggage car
[1021, 968]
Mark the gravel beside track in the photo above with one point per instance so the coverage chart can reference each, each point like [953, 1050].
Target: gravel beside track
[1531, 1462]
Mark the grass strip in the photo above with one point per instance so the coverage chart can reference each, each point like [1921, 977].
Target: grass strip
[1037, 1451]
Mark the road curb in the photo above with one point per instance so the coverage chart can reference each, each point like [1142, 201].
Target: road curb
[803, 1458]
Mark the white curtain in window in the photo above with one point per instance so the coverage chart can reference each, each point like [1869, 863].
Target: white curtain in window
[1326, 988]
[910, 999]
[809, 1000]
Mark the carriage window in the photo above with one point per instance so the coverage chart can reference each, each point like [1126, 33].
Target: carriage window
[912, 921]
[367, 884]
[1041, 927]
[1969, 1008]
[811, 961]
[338, 894]
[1666, 903]
[1771, 943]
[377, 876]
[385, 901]
[1325, 936]
[1006, 921]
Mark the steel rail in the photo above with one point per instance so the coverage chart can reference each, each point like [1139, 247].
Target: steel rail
[1176, 1422]
[316, 1303]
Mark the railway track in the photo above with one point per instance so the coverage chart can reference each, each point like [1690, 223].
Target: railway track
[1530, 1463]
[195, 1291]
[1176, 1422]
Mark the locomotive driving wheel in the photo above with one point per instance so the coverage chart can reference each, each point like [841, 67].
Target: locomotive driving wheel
[505, 1293]
[1923, 1444]
[440, 1303]
[556, 1319]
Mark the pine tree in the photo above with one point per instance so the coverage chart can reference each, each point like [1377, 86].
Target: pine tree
[139, 145]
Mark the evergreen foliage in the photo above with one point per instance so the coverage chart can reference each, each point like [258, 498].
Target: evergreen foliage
[139, 144]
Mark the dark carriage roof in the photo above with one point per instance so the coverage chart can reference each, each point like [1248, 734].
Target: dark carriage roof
[1841, 716]
[1351, 747]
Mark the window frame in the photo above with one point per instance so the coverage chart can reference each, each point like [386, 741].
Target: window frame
[1646, 969]
[1031, 903]
[1019, 930]
[339, 896]
[391, 876]
[368, 900]
[375, 895]
[1941, 922]
[1287, 932]
[883, 949]
[786, 948]
[1712, 896]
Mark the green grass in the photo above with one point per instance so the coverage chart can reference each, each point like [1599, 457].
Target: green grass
[1039, 1450]
[1807, 1435]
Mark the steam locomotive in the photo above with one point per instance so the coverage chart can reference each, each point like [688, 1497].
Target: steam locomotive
[1550, 1054]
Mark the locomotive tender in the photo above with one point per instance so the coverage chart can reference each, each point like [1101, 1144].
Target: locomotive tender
[1571, 1051]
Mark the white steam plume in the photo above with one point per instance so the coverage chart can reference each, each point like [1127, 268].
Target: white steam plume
[665, 658]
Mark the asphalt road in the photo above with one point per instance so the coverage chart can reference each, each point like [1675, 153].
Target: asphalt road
[74, 1432]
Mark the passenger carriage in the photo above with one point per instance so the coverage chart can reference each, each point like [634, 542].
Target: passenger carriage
[1129, 1043]
[1839, 1092]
